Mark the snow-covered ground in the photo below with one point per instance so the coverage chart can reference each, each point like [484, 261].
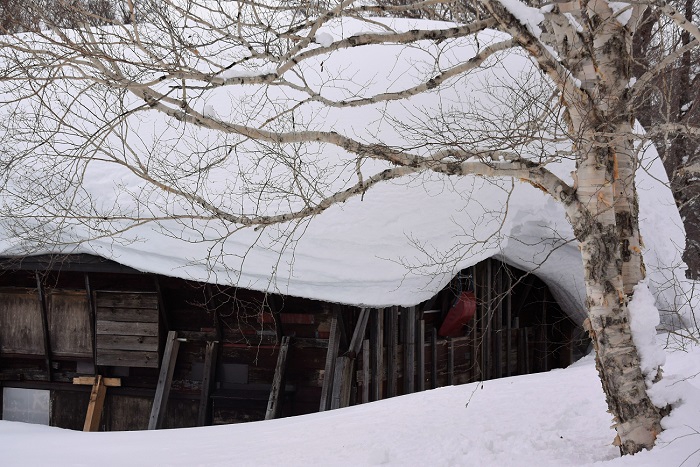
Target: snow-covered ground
[557, 418]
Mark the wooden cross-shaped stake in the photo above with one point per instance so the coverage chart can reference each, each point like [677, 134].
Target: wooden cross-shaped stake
[97, 398]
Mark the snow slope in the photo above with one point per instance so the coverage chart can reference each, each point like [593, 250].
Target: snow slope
[547, 419]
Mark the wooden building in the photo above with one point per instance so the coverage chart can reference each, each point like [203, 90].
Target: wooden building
[87, 343]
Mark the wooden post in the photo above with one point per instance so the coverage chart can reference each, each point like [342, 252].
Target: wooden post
[409, 350]
[161, 304]
[366, 377]
[359, 333]
[208, 380]
[509, 329]
[420, 343]
[544, 347]
[392, 341]
[93, 334]
[478, 318]
[486, 346]
[498, 323]
[273, 403]
[377, 345]
[331, 355]
[97, 398]
[167, 367]
[44, 325]
[450, 361]
[434, 362]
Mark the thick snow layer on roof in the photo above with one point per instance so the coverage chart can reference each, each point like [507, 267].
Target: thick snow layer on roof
[398, 244]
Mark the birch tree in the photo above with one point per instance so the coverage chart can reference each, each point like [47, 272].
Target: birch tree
[68, 92]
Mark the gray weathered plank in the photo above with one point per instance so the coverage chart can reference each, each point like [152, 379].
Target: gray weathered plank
[331, 355]
[208, 380]
[273, 403]
[127, 314]
[112, 342]
[409, 350]
[391, 353]
[160, 401]
[126, 329]
[148, 300]
[377, 343]
[420, 343]
[130, 358]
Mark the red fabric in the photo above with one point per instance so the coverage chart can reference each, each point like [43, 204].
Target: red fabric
[460, 314]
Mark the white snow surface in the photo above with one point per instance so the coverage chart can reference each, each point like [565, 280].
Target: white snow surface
[644, 318]
[400, 242]
[557, 418]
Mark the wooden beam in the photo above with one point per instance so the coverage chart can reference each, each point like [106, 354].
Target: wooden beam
[96, 404]
[420, 343]
[273, 403]
[434, 358]
[358, 334]
[91, 380]
[409, 350]
[93, 316]
[167, 367]
[377, 344]
[486, 346]
[208, 381]
[331, 355]
[44, 324]
[391, 347]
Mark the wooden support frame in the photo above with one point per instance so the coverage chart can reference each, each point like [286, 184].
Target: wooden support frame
[329, 370]
[95, 407]
[44, 324]
[391, 328]
[476, 367]
[208, 380]
[167, 367]
[274, 402]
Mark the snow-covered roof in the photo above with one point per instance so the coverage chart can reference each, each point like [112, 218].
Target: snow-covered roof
[397, 244]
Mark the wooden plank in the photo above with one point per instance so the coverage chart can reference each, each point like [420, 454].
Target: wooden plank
[109, 299]
[366, 377]
[450, 361]
[127, 314]
[391, 353]
[486, 346]
[109, 342]
[208, 381]
[358, 333]
[130, 358]
[342, 382]
[126, 329]
[434, 358]
[474, 335]
[409, 350]
[20, 322]
[497, 352]
[420, 344]
[90, 380]
[160, 304]
[273, 403]
[544, 347]
[331, 355]
[95, 406]
[93, 318]
[44, 324]
[160, 401]
[377, 345]
[509, 318]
